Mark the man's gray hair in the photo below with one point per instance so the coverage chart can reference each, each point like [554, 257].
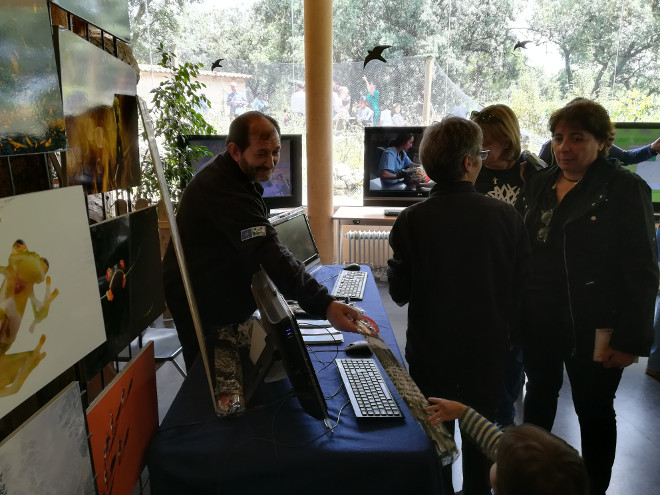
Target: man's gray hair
[445, 145]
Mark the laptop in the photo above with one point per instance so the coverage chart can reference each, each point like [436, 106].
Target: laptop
[295, 233]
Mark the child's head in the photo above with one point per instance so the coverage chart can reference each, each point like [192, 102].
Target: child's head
[531, 461]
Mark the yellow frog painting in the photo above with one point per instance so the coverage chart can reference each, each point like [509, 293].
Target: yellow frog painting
[24, 269]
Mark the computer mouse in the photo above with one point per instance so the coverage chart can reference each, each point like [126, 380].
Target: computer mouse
[361, 348]
[354, 267]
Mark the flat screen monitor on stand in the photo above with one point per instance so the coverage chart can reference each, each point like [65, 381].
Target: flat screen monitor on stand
[284, 190]
[632, 135]
[378, 192]
[284, 341]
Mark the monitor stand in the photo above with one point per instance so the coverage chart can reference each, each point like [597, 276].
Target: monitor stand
[255, 374]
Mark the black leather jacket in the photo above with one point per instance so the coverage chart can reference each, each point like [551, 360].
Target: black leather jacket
[606, 237]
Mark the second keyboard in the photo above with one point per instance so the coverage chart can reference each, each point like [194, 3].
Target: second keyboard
[350, 285]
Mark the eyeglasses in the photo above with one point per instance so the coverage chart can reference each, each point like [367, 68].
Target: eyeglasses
[542, 234]
[483, 154]
[484, 117]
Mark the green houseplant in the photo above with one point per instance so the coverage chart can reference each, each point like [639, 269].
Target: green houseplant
[174, 113]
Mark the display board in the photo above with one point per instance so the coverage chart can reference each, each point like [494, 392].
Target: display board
[100, 113]
[49, 453]
[31, 116]
[51, 314]
[121, 421]
[130, 282]
[109, 15]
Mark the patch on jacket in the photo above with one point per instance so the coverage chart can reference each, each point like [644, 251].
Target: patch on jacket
[253, 232]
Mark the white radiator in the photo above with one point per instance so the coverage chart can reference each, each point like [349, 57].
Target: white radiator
[369, 247]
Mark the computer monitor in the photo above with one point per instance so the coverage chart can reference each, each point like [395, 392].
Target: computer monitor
[295, 234]
[284, 190]
[285, 341]
[377, 192]
[631, 135]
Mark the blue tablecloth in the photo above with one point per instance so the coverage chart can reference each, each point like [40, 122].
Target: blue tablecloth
[276, 448]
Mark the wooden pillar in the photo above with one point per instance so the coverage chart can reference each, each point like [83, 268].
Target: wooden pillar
[318, 90]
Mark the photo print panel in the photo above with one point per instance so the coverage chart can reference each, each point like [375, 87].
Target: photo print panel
[31, 116]
[121, 422]
[100, 114]
[50, 310]
[49, 453]
[109, 15]
[130, 287]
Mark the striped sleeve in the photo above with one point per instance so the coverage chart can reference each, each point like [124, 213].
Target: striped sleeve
[484, 433]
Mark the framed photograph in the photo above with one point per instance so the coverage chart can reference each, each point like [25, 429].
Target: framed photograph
[50, 311]
[31, 115]
[49, 453]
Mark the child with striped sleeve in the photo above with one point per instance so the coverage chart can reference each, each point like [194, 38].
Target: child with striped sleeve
[527, 459]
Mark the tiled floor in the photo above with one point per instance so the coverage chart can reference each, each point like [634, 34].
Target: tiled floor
[636, 469]
[637, 465]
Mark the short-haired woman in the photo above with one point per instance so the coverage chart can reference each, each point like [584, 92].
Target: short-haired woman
[595, 278]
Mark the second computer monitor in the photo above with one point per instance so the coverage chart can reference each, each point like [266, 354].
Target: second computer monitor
[284, 190]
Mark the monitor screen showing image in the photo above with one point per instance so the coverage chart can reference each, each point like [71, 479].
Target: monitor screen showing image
[284, 190]
[632, 135]
[382, 192]
[295, 234]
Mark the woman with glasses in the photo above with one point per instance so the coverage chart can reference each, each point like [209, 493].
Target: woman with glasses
[503, 173]
[590, 303]
[507, 167]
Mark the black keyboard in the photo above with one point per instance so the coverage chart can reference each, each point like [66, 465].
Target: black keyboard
[367, 390]
[350, 284]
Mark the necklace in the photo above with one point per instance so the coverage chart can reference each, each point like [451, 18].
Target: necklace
[574, 181]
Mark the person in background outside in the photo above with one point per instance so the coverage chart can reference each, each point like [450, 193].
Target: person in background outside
[460, 261]
[502, 176]
[397, 118]
[373, 99]
[365, 114]
[226, 237]
[589, 305]
[527, 459]
[386, 117]
[298, 99]
[336, 99]
[260, 103]
[236, 102]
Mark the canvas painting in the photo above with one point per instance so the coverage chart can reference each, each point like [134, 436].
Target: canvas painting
[109, 15]
[49, 453]
[130, 287]
[121, 422]
[100, 114]
[50, 313]
[31, 116]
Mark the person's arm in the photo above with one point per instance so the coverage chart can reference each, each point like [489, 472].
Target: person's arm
[638, 155]
[484, 433]
[370, 87]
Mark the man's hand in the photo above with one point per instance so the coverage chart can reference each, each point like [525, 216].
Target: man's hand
[444, 410]
[343, 317]
[655, 145]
